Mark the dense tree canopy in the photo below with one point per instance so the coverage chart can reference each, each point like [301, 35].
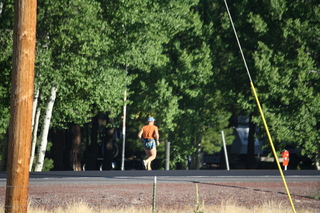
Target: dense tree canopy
[179, 62]
[6, 43]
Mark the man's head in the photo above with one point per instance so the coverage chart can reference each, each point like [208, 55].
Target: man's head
[151, 119]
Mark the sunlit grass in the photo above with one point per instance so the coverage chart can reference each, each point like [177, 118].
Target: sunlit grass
[229, 206]
[225, 207]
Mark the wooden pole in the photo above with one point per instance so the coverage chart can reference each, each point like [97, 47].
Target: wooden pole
[24, 38]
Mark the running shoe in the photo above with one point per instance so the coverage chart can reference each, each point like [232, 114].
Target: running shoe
[145, 165]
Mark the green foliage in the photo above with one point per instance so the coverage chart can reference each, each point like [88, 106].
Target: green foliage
[6, 43]
[286, 83]
[212, 140]
[47, 165]
[179, 62]
[74, 56]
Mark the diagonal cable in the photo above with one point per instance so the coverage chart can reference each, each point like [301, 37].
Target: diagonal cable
[260, 110]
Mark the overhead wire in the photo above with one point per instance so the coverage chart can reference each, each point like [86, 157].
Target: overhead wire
[260, 110]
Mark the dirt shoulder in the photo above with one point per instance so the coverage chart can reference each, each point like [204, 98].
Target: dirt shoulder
[247, 194]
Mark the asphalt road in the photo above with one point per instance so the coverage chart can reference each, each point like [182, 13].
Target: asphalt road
[141, 176]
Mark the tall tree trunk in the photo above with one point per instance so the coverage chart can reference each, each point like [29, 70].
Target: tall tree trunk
[250, 160]
[108, 148]
[317, 161]
[92, 153]
[4, 159]
[75, 152]
[45, 130]
[195, 161]
[58, 149]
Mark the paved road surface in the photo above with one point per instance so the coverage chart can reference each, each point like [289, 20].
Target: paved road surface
[174, 176]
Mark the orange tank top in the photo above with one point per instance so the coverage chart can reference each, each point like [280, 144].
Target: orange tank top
[149, 131]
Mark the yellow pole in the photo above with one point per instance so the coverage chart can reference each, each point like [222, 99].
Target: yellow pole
[260, 109]
[272, 146]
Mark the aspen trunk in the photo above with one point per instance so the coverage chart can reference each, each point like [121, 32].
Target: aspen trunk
[45, 130]
[35, 124]
[34, 107]
[1, 6]
[34, 137]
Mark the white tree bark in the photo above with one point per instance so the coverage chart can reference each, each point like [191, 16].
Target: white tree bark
[1, 6]
[35, 122]
[45, 130]
[34, 137]
[34, 107]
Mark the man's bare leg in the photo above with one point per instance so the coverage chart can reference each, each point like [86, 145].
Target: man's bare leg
[151, 155]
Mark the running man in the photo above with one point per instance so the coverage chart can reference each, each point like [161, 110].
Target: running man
[149, 137]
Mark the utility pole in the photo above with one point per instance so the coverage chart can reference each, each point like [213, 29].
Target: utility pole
[24, 39]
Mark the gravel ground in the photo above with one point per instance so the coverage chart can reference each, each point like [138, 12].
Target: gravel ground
[247, 194]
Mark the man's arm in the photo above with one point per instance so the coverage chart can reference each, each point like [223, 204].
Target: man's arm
[140, 134]
[157, 136]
